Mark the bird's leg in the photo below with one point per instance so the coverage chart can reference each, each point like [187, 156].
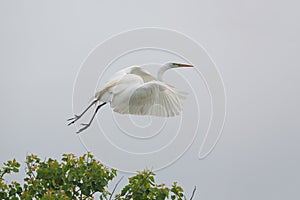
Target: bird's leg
[77, 117]
[85, 126]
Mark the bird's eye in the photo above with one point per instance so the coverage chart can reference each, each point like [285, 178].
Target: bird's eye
[175, 64]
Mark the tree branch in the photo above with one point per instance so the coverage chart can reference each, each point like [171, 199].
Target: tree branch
[193, 193]
[115, 187]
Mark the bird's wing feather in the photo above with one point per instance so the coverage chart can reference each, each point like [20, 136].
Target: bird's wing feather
[143, 73]
[151, 98]
[122, 91]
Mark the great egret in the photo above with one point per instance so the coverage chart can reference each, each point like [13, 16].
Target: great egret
[134, 90]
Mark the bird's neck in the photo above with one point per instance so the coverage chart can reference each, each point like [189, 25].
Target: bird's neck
[161, 72]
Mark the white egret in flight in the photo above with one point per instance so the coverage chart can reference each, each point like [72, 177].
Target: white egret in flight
[135, 91]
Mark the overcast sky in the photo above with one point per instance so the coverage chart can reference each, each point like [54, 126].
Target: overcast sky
[46, 46]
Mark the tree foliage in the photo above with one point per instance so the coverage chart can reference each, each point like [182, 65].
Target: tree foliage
[79, 178]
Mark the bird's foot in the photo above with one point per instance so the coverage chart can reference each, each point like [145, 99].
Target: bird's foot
[73, 119]
[85, 126]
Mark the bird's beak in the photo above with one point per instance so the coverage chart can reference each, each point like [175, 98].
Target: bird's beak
[185, 65]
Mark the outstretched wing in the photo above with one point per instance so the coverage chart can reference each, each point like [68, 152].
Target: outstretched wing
[154, 98]
[143, 73]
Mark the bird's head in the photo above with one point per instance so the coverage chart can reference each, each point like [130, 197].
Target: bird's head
[175, 65]
[169, 65]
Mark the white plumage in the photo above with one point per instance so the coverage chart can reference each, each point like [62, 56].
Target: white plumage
[134, 90]
[137, 92]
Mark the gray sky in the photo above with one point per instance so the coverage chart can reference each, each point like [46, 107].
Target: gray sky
[255, 45]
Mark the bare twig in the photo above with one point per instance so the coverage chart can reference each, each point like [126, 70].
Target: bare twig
[193, 193]
[119, 181]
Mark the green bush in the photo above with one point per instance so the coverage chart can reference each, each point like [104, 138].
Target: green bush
[79, 178]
